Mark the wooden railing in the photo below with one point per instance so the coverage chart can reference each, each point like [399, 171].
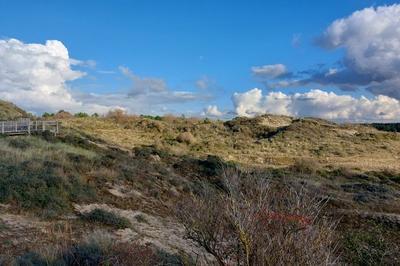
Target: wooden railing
[26, 126]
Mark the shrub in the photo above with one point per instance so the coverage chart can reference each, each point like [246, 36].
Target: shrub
[62, 115]
[19, 143]
[29, 259]
[99, 248]
[254, 222]
[107, 218]
[306, 166]
[118, 115]
[366, 248]
[81, 114]
[40, 189]
[186, 137]
[41, 177]
[157, 117]
[83, 254]
[46, 115]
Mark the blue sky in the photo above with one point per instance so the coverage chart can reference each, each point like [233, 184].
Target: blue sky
[182, 42]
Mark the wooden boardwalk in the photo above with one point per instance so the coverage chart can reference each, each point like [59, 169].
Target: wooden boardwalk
[26, 126]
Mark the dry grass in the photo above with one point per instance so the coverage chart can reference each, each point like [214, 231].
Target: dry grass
[271, 141]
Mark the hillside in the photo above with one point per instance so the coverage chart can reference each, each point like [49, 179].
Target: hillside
[108, 182]
[268, 140]
[9, 111]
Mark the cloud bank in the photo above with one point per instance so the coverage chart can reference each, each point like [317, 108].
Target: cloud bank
[317, 103]
[35, 76]
[371, 41]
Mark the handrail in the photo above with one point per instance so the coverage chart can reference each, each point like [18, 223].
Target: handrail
[27, 126]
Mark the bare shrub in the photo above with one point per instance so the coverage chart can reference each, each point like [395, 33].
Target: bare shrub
[307, 166]
[120, 116]
[186, 137]
[169, 118]
[256, 222]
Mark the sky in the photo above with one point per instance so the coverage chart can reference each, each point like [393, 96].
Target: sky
[334, 59]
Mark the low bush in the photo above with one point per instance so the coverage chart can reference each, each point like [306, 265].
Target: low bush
[81, 115]
[366, 247]
[29, 259]
[307, 166]
[186, 137]
[254, 222]
[99, 249]
[19, 143]
[107, 218]
[40, 176]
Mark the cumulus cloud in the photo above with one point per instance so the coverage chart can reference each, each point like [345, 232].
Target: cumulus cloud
[35, 76]
[269, 71]
[371, 39]
[213, 111]
[317, 103]
[371, 42]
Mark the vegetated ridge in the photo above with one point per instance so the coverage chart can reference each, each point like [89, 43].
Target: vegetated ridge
[109, 190]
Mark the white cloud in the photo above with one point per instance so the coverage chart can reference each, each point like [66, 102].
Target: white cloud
[203, 83]
[143, 85]
[35, 76]
[371, 39]
[317, 103]
[269, 71]
[153, 91]
[212, 110]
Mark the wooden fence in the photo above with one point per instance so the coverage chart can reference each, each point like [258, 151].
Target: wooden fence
[26, 126]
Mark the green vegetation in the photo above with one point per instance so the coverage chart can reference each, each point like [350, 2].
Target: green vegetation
[391, 127]
[367, 247]
[47, 115]
[43, 176]
[142, 167]
[81, 115]
[9, 111]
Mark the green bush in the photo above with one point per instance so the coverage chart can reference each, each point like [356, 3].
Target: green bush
[40, 189]
[19, 143]
[46, 114]
[366, 247]
[40, 176]
[81, 114]
[83, 254]
[107, 218]
[29, 259]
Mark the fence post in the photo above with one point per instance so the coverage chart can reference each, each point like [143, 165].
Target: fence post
[29, 126]
[2, 127]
